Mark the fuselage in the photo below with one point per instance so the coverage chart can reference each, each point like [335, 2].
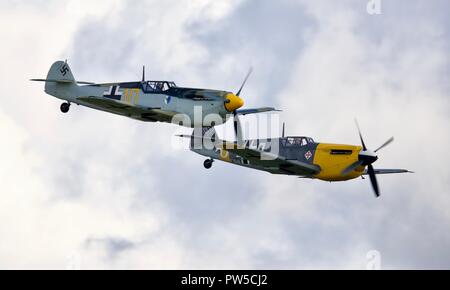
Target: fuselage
[331, 158]
[151, 101]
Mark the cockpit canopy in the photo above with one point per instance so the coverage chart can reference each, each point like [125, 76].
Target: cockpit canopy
[157, 86]
[297, 141]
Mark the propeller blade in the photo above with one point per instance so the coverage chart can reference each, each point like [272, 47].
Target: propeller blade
[245, 81]
[237, 128]
[385, 144]
[284, 127]
[360, 136]
[352, 167]
[373, 180]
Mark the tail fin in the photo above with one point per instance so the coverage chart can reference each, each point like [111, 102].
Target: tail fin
[59, 77]
[60, 72]
[203, 137]
[59, 80]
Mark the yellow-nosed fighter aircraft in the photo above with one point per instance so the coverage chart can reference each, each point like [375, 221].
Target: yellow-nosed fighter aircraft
[297, 156]
[150, 101]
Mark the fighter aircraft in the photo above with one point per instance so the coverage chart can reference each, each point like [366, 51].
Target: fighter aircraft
[297, 156]
[151, 101]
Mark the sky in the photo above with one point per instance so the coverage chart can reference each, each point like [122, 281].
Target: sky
[91, 190]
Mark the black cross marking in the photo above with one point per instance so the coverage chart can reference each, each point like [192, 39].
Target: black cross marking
[111, 94]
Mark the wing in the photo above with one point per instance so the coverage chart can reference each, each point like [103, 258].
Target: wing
[274, 163]
[114, 105]
[389, 171]
[256, 111]
[267, 161]
[137, 112]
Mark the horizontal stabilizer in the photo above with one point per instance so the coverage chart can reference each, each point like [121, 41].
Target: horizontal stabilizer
[61, 81]
[188, 136]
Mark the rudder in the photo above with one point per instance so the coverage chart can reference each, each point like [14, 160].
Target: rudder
[60, 72]
[59, 78]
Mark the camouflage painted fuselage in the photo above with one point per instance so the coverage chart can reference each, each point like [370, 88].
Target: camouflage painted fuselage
[150, 101]
[129, 99]
[298, 156]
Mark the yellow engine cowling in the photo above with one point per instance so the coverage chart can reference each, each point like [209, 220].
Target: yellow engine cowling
[233, 102]
[334, 158]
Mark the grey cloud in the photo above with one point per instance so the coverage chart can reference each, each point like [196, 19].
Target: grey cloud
[208, 208]
[266, 35]
[113, 246]
[234, 217]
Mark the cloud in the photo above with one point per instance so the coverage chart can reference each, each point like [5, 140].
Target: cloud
[111, 192]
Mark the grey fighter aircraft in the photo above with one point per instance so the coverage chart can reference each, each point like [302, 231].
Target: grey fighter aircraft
[150, 101]
[296, 156]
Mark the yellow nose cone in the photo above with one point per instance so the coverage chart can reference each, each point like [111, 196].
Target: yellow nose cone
[233, 102]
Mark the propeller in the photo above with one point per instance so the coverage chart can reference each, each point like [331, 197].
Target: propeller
[233, 102]
[373, 180]
[385, 144]
[250, 71]
[366, 158]
[237, 127]
[352, 167]
[360, 136]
